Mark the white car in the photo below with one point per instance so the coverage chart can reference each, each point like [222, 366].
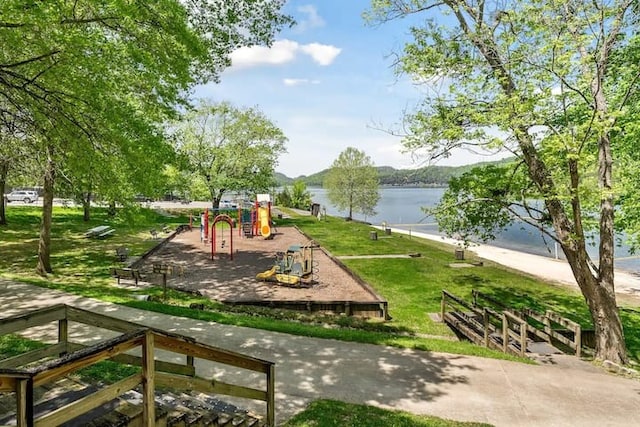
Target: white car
[22, 196]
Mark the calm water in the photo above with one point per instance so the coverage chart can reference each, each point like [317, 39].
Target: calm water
[401, 208]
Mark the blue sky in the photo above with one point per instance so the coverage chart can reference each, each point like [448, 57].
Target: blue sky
[327, 83]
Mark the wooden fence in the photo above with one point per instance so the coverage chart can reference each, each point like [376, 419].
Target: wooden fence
[551, 327]
[69, 357]
[505, 328]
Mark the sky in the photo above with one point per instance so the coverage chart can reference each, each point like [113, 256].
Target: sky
[329, 84]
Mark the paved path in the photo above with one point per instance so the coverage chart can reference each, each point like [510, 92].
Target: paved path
[451, 386]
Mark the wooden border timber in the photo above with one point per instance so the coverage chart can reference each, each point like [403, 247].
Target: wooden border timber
[349, 308]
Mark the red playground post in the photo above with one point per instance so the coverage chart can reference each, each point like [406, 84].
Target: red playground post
[206, 224]
[228, 220]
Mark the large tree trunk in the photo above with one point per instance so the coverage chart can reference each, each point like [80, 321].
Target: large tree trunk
[600, 297]
[4, 171]
[86, 207]
[44, 245]
[610, 343]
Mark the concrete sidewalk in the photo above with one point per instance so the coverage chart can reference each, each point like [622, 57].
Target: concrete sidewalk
[450, 386]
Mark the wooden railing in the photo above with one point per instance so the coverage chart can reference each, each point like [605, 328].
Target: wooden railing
[69, 357]
[545, 320]
[548, 333]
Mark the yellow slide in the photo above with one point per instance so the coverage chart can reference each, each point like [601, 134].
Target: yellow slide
[267, 274]
[287, 279]
[263, 216]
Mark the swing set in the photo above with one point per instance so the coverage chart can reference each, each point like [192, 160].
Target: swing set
[227, 219]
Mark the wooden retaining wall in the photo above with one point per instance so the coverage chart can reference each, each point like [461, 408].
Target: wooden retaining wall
[375, 309]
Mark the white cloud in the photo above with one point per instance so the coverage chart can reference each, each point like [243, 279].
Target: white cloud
[321, 53]
[297, 82]
[311, 20]
[282, 52]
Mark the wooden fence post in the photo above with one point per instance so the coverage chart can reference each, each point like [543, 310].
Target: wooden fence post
[271, 397]
[547, 326]
[523, 339]
[63, 335]
[191, 363]
[505, 332]
[24, 403]
[148, 381]
[485, 321]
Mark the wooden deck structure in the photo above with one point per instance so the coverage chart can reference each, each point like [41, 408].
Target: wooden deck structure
[64, 357]
[508, 330]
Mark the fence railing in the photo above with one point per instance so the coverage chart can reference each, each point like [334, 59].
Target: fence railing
[69, 357]
[515, 325]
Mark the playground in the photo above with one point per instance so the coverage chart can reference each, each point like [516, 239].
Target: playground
[234, 280]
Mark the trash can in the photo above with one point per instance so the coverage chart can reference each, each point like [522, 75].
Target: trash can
[459, 253]
[315, 209]
[373, 235]
[387, 231]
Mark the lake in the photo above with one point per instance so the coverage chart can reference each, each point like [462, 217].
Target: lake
[401, 208]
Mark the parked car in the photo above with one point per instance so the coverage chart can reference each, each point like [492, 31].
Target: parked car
[142, 198]
[22, 196]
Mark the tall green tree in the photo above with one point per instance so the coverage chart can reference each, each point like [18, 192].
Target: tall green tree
[352, 183]
[297, 197]
[300, 196]
[103, 76]
[232, 149]
[551, 82]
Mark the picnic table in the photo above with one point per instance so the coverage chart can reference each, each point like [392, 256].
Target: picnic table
[99, 232]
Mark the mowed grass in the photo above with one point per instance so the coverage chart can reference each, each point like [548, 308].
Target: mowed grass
[412, 286]
[81, 266]
[332, 413]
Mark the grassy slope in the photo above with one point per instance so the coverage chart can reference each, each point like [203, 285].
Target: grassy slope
[411, 285]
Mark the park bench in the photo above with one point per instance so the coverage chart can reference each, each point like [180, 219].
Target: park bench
[166, 228]
[127, 274]
[106, 233]
[99, 232]
[154, 233]
[122, 253]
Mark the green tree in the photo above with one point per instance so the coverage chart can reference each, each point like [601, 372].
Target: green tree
[232, 149]
[283, 198]
[352, 183]
[300, 197]
[103, 76]
[551, 82]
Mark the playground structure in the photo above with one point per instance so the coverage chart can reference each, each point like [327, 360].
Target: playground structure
[295, 267]
[262, 223]
[226, 219]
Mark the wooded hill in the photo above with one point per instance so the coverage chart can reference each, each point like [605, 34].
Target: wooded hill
[428, 176]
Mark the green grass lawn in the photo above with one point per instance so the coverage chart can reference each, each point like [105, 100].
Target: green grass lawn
[412, 286]
[331, 413]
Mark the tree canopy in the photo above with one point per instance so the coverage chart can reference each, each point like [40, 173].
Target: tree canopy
[94, 82]
[553, 83]
[352, 183]
[230, 148]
